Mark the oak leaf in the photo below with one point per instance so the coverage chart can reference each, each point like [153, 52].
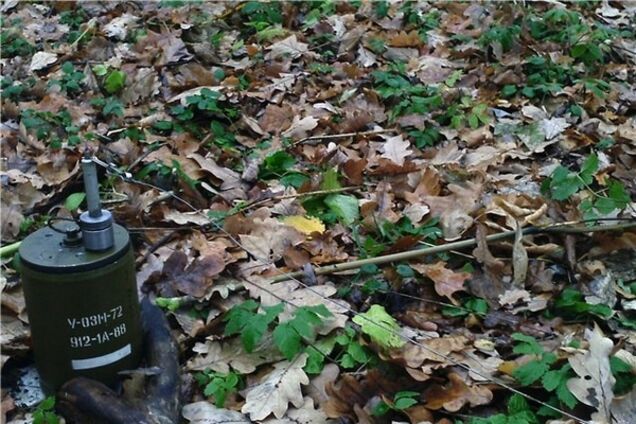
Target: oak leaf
[447, 282]
[396, 149]
[594, 382]
[277, 389]
[454, 396]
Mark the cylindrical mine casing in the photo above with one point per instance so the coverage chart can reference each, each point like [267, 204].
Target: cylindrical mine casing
[83, 308]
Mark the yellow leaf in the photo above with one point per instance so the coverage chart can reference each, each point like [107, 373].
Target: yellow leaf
[305, 225]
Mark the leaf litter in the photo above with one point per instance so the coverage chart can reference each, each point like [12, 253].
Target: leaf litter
[444, 121]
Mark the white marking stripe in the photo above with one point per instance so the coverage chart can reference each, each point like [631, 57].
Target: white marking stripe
[100, 361]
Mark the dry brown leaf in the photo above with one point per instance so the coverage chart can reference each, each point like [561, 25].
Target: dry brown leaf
[594, 383]
[396, 149]
[447, 282]
[195, 278]
[290, 46]
[436, 349]
[221, 357]
[277, 390]
[519, 260]
[455, 395]
[204, 412]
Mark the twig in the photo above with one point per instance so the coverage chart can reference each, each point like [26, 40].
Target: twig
[89, 26]
[411, 254]
[343, 135]
[9, 249]
[156, 245]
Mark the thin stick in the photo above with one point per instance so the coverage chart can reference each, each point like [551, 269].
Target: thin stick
[9, 249]
[343, 135]
[411, 254]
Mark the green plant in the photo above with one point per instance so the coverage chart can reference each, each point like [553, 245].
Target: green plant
[280, 165]
[506, 36]
[571, 304]
[52, 127]
[114, 81]
[518, 412]
[320, 68]
[596, 86]
[111, 106]
[381, 8]
[219, 385]
[246, 320]
[12, 89]
[388, 233]
[261, 15]
[624, 374]
[318, 9]
[415, 18]
[471, 305]
[381, 327]
[404, 96]
[552, 380]
[353, 353]
[71, 81]
[401, 401]
[563, 183]
[74, 19]
[13, 44]
[429, 136]
[288, 335]
[465, 112]
[45, 412]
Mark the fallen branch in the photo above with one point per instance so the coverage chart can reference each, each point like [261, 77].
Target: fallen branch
[462, 244]
[343, 135]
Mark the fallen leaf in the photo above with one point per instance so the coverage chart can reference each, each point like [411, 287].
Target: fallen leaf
[222, 357]
[396, 149]
[455, 395]
[305, 225]
[594, 382]
[273, 393]
[290, 46]
[205, 413]
[42, 60]
[519, 260]
[300, 127]
[447, 282]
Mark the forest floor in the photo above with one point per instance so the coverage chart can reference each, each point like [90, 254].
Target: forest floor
[242, 141]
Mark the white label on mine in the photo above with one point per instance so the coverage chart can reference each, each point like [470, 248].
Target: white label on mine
[100, 361]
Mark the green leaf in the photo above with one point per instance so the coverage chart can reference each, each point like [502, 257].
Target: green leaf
[530, 372]
[345, 207]
[381, 408]
[380, 326]
[243, 319]
[100, 70]
[508, 90]
[115, 81]
[74, 201]
[169, 303]
[287, 340]
[528, 345]
[517, 403]
[330, 180]
[404, 403]
[589, 167]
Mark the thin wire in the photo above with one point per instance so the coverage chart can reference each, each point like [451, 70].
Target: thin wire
[127, 176]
